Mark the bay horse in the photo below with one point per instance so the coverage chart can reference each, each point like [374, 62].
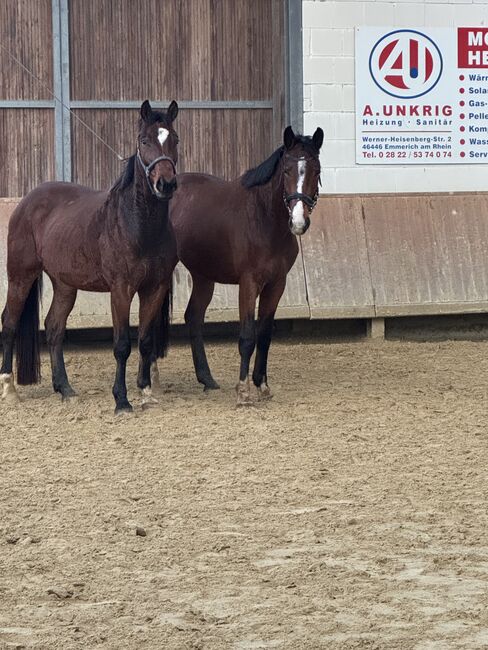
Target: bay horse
[244, 232]
[119, 241]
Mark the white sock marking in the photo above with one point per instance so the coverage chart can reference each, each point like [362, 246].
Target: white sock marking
[8, 386]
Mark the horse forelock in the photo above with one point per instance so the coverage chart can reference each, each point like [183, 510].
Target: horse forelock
[306, 142]
[156, 116]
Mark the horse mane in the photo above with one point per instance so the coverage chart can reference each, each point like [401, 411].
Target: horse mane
[127, 176]
[264, 172]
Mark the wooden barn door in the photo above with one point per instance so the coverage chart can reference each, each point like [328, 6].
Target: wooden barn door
[26, 106]
[222, 60]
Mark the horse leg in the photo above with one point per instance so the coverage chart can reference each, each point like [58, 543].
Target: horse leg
[63, 300]
[120, 303]
[248, 292]
[200, 298]
[268, 302]
[149, 304]
[17, 293]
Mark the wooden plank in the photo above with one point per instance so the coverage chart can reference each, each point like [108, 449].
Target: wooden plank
[428, 254]
[27, 137]
[212, 61]
[188, 50]
[336, 260]
[224, 142]
[278, 71]
[26, 32]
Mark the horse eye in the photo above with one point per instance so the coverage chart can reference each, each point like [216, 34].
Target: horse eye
[144, 141]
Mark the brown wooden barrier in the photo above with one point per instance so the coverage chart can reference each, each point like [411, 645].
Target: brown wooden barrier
[428, 253]
[335, 259]
[363, 257]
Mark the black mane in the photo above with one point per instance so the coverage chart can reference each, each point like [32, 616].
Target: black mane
[264, 172]
[127, 176]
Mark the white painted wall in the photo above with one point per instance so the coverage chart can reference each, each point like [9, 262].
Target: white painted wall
[328, 72]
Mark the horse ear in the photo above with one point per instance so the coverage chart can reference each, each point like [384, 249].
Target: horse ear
[146, 110]
[288, 137]
[318, 138]
[172, 111]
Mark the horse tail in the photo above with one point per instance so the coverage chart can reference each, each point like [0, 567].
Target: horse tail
[27, 343]
[162, 324]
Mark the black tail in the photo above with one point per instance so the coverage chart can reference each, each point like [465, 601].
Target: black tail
[161, 326]
[27, 341]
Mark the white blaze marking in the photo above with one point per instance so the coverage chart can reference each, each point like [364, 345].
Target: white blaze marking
[162, 135]
[298, 213]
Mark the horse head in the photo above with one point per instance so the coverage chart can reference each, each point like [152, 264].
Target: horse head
[301, 177]
[157, 149]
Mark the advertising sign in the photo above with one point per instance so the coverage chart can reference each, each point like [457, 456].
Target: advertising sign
[421, 95]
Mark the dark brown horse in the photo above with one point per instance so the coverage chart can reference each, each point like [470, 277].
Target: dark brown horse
[119, 241]
[244, 232]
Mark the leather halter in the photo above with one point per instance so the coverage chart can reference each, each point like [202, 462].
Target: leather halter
[308, 200]
[311, 201]
[148, 168]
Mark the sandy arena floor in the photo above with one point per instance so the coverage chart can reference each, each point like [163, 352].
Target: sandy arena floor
[349, 512]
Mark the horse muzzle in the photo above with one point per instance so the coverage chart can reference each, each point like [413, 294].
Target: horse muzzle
[299, 228]
[164, 189]
[300, 207]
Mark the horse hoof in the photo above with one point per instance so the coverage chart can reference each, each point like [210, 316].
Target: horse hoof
[264, 392]
[243, 402]
[243, 394]
[120, 410]
[70, 398]
[149, 403]
[11, 397]
[9, 394]
[211, 385]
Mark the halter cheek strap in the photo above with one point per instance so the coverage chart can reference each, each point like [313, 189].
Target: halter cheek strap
[148, 168]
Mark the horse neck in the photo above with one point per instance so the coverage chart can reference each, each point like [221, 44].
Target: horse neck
[145, 216]
[271, 198]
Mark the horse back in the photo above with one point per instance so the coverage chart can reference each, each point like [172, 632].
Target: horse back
[56, 202]
[61, 221]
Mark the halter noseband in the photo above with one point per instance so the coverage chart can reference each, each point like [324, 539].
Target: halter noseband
[148, 168]
[308, 200]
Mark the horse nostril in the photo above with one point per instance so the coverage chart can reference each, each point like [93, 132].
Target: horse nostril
[170, 186]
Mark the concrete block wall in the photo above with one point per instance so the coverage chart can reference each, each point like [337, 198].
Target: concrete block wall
[328, 73]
